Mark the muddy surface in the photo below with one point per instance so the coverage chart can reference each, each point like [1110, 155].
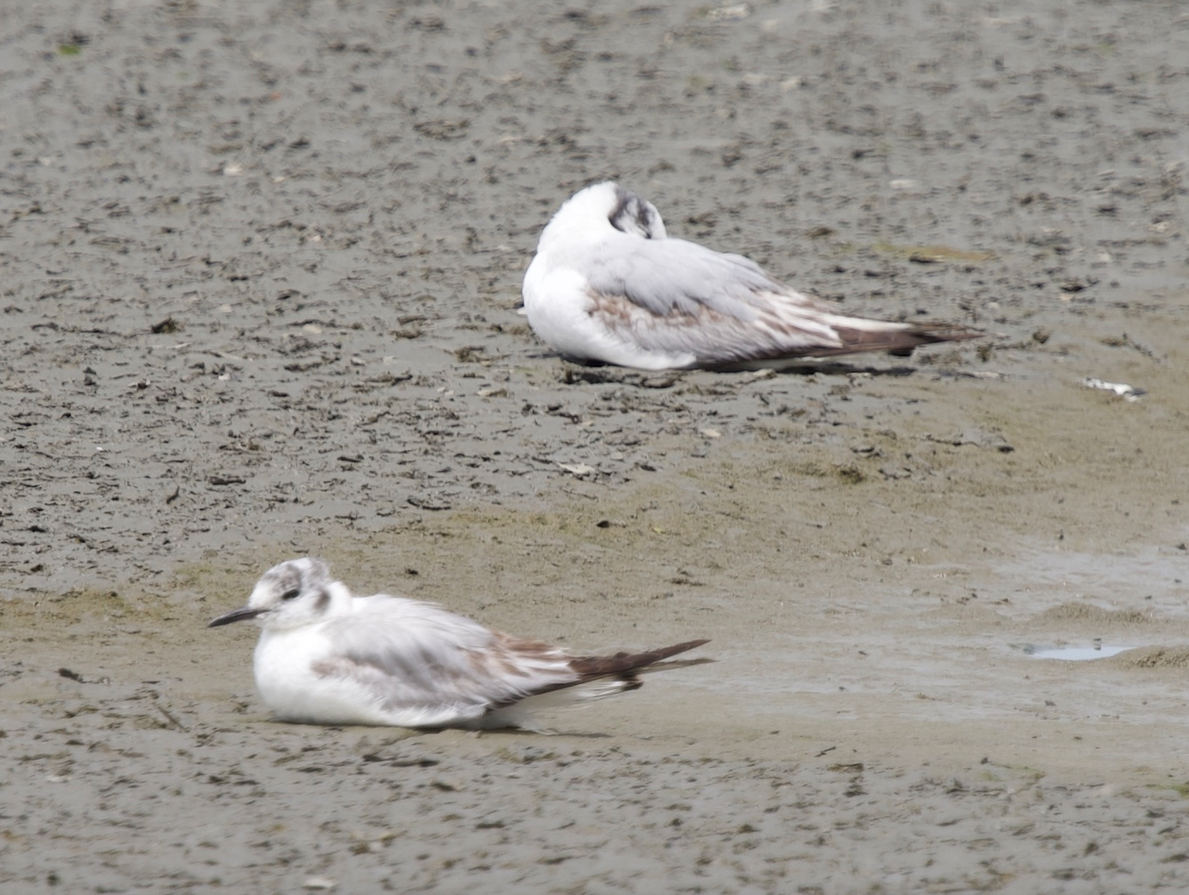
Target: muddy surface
[261, 266]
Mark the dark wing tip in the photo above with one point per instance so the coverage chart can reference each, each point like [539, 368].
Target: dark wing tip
[626, 664]
[900, 342]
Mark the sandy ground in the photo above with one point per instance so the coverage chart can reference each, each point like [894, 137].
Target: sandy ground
[261, 264]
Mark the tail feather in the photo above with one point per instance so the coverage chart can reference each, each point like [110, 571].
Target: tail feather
[899, 341]
[626, 664]
[853, 335]
[597, 678]
[619, 672]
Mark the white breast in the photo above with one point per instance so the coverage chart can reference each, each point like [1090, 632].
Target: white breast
[558, 303]
[284, 666]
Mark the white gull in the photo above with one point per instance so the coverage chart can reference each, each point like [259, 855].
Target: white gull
[608, 285]
[326, 656]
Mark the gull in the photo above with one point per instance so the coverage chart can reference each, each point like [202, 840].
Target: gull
[326, 656]
[609, 286]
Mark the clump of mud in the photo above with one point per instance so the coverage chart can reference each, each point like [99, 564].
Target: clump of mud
[1153, 657]
[1086, 614]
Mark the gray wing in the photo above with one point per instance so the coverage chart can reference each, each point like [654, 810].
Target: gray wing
[428, 666]
[675, 295]
[674, 276]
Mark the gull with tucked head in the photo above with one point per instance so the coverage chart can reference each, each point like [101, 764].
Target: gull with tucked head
[326, 656]
[608, 285]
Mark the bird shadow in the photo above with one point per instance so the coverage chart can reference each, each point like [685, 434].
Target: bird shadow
[603, 374]
[521, 732]
[836, 368]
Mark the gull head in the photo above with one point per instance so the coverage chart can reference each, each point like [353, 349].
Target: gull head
[603, 204]
[295, 593]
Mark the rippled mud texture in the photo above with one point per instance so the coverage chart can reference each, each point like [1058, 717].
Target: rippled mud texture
[261, 271]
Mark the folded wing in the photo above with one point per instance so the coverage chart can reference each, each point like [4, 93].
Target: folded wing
[425, 666]
[676, 296]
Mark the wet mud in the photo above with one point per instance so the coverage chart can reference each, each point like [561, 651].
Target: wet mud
[261, 268]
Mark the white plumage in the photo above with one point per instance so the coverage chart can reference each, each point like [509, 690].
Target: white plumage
[328, 657]
[608, 285]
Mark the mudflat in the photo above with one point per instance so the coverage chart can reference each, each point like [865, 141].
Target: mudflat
[261, 268]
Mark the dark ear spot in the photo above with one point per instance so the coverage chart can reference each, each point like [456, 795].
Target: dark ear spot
[322, 601]
[625, 216]
[618, 213]
[634, 215]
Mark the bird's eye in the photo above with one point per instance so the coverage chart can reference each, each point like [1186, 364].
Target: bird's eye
[291, 594]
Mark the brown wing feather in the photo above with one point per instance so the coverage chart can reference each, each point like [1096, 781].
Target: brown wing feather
[899, 342]
[722, 341]
[623, 666]
[591, 667]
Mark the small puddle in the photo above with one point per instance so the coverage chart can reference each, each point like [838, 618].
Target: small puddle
[1075, 653]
